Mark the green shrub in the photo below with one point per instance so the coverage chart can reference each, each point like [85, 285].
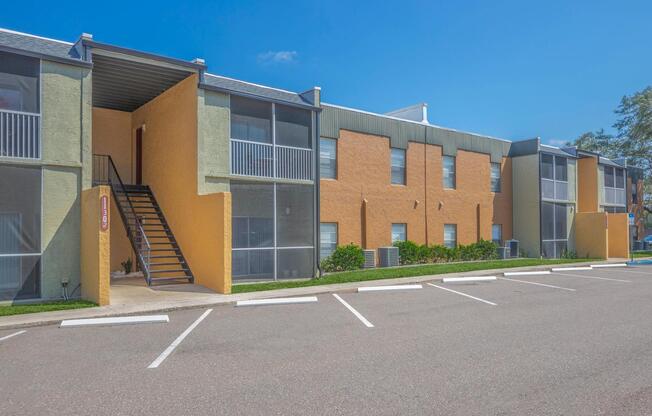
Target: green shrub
[487, 250]
[411, 253]
[568, 254]
[344, 258]
[440, 253]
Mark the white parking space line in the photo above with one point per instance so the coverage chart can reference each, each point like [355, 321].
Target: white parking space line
[635, 272]
[178, 341]
[468, 279]
[527, 273]
[393, 287]
[12, 335]
[600, 266]
[538, 284]
[354, 312]
[594, 277]
[463, 294]
[121, 320]
[562, 269]
[276, 301]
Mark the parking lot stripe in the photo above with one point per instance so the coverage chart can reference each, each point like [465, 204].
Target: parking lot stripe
[393, 287]
[276, 301]
[594, 277]
[121, 320]
[353, 311]
[178, 341]
[635, 272]
[468, 279]
[538, 284]
[598, 266]
[526, 273]
[12, 335]
[562, 269]
[463, 294]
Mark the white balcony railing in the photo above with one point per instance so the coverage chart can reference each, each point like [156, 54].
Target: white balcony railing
[252, 159]
[257, 159]
[20, 135]
[293, 163]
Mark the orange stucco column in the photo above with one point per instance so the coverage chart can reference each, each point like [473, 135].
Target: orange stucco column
[618, 225]
[591, 238]
[96, 245]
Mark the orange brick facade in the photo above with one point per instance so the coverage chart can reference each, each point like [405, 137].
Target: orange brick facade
[364, 203]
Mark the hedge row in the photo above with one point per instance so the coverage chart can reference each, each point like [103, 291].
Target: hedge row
[351, 256]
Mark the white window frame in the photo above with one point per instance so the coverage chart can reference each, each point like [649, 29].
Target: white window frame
[321, 234]
[450, 243]
[496, 181]
[449, 174]
[399, 232]
[328, 157]
[402, 166]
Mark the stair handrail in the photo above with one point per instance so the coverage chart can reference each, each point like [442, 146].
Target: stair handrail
[137, 235]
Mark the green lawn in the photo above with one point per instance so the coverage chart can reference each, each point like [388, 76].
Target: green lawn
[390, 273]
[58, 305]
[640, 254]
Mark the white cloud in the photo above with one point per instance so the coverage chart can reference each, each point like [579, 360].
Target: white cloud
[557, 142]
[277, 57]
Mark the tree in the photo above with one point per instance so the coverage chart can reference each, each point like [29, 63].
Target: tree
[635, 128]
[597, 141]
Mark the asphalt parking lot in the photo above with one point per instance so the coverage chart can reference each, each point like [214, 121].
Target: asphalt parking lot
[573, 342]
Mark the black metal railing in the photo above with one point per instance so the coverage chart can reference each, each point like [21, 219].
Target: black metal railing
[105, 173]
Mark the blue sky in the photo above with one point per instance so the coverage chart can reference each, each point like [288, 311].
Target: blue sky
[512, 69]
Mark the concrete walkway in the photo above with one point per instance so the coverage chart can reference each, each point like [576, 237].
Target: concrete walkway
[133, 297]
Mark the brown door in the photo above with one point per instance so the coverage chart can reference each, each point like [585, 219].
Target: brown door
[139, 156]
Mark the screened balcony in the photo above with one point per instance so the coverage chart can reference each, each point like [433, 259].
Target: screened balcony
[20, 119]
[271, 140]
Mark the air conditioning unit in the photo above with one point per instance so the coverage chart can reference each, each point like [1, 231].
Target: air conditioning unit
[369, 259]
[387, 256]
[503, 252]
[514, 248]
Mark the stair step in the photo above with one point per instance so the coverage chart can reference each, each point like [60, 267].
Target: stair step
[164, 279]
[166, 264]
[169, 271]
[170, 243]
[165, 249]
[166, 257]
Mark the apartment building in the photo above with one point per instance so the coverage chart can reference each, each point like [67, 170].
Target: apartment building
[109, 154]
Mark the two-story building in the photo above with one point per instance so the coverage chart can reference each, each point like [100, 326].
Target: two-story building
[109, 154]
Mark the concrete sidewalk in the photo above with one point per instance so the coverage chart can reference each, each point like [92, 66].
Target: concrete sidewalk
[133, 298]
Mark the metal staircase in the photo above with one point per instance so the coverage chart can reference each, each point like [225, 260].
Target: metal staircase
[157, 251]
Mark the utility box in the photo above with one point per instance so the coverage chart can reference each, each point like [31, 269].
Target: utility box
[503, 252]
[387, 256]
[514, 248]
[369, 259]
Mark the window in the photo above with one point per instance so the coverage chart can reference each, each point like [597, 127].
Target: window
[327, 239]
[495, 177]
[450, 235]
[251, 120]
[449, 172]
[398, 166]
[609, 177]
[547, 171]
[293, 127]
[20, 232]
[620, 179]
[327, 158]
[554, 228]
[19, 83]
[497, 234]
[399, 232]
[554, 177]
[255, 255]
[561, 169]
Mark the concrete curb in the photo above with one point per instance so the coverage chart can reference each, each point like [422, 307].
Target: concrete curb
[55, 317]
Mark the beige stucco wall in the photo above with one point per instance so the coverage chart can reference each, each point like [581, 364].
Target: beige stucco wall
[213, 118]
[200, 223]
[600, 186]
[526, 219]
